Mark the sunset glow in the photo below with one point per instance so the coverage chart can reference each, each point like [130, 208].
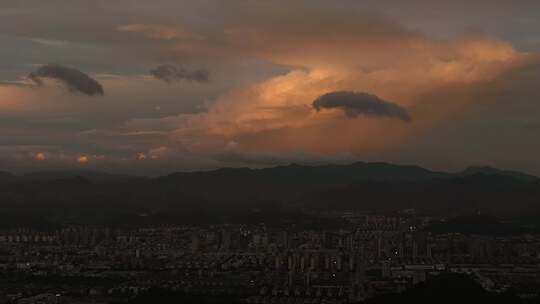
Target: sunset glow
[152, 82]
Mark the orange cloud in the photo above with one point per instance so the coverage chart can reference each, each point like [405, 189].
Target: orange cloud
[83, 159]
[276, 114]
[40, 156]
[324, 48]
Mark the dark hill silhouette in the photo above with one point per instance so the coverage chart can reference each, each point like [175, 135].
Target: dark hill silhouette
[217, 194]
[494, 171]
[448, 288]
[6, 176]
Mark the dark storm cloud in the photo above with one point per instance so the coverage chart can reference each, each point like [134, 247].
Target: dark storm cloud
[75, 80]
[355, 104]
[171, 73]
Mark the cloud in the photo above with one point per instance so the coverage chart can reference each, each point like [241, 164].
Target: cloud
[40, 156]
[267, 69]
[83, 159]
[155, 31]
[23, 83]
[75, 80]
[171, 73]
[356, 104]
[233, 155]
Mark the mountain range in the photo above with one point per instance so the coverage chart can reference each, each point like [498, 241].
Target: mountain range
[96, 196]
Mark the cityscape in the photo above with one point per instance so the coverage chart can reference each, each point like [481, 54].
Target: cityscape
[371, 255]
[269, 151]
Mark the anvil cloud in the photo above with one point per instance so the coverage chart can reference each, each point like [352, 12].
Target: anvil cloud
[283, 74]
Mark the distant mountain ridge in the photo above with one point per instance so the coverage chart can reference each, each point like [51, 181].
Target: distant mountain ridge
[4, 174]
[214, 195]
[494, 171]
[379, 171]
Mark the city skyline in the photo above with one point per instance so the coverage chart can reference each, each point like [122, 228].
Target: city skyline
[269, 151]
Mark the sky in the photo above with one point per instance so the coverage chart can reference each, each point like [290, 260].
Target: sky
[153, 87]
